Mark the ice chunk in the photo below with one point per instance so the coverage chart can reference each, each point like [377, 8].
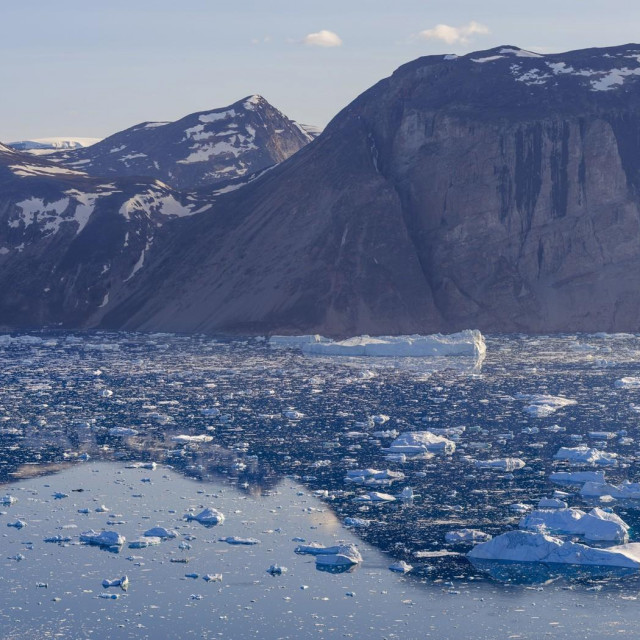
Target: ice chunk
[374, 496]
[577, 477]
[595, 525]
[551, 503]
[416, 442]
[7, 500]
[467, 343]
[373, 477]
[585, 455]
[159, 532]
[296, 341]
[276, 570]
[628, 383]
[143, 543]
[625, 491]
[501, 464]
[237, 540]
[102, 538]
[18, 524]
[526, 546]
[472, 536]
[123, 583]
[401, 567]
[338, 555]
[207, 517]
[542, 405]
[122, 431]
[187, 438]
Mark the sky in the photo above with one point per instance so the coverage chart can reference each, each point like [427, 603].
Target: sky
[91, 68]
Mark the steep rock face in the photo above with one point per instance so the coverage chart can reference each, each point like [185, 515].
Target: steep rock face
[201, 149]
[69, 242]
[497, 190]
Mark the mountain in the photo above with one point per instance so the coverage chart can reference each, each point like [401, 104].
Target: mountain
[497, 190]
[68, 241]
[201, 149]
[46, 146]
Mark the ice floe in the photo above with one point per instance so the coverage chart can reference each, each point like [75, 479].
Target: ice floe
[102, 538]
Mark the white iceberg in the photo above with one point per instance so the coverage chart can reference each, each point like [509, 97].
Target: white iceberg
[338, 555]
[159, 532]
[576, 477]
[625, 491]
[542, 406]
[417, 442]
[464, 343]
[501, 464]
[526, 546]
[123, 583]
[597, 525]
[628, 383]
[401, 567]
[375, 496]
[237, 540]
[187, 438]
[472, 536]
[552, 503]
[586, 455]
[373, 477]
[143, 543]
[7, 499]
[122, 431]
[102, 538]
[208, 517]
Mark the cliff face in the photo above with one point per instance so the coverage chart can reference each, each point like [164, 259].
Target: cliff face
[497, 190]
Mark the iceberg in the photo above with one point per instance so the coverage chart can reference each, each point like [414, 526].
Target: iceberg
[102, 538]
[401, 567]
[576, 477]
[338, 555]
[542, 406]
[143, 543]
[417, 442]
[597, 525]
[586, 455]
[123, 583]
[526, 546]
[628, 383]
[373, 477]
[159, 532]
[187, 438]
[472, 536]
[375, 496]
[464, 343]
[625, 491]
[237, 540]
[207, 517]
[501, 464]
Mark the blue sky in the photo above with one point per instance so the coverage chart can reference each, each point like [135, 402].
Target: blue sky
[85, 68]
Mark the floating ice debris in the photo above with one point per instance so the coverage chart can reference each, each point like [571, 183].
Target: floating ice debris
[597, 525]
[407, 494]
[7, 500]
[526, 546]
[193, 576]
[356, 522]
[625, 491]
[105, 393]
[601, 435]
[296, 341]
[337, 555]
[217, 577]
[143, 543]
[628, 383]
[101, 509]
[551, 503]
[152, 466]
[293, 415]
[85, 510]
[102, 538]
[464, 343]
[18, 557]
[57, 539]
[237, 540]
[373, 477]
[585, 455]
[276, 570]
[380, 419]
[109, 596]
[417, 442]
[60, 496]
[542, 405]
[374, 496]
[577, 477]
[18, 524]
[123, 583]
[159, 532]
[501, 464]
[472, 536]
[210, 413]
[519, 507]
[187, 438]
[401, 567]
[208, 517]
[122, 431]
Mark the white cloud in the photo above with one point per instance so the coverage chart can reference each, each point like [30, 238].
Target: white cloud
[454, 35]
[323, 38]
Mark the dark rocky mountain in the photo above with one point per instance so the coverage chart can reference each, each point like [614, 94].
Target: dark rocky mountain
[201, 149]
[69, 241]
[498, 190]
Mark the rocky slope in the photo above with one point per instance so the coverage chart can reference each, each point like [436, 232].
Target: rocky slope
[69, 241]
[206, 148]
[497, 190]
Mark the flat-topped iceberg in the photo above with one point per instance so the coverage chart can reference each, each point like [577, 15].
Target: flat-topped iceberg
[526, 546]
[417, 442]
[373, 477]
[586, 455]
[596, 525]
[464, 343]
[207, 517]
[625, 491]
[501, 464]
[102, 538]
[342, 554]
